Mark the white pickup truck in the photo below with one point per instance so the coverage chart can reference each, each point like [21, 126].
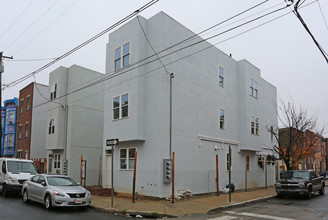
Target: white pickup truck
[13, 173]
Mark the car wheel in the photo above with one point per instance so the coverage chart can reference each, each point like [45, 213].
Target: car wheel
[309, 193]
[279, 195]
[25, 196]
[47, 202]
[322, 190]
[4, 191]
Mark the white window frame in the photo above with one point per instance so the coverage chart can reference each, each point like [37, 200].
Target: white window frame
[27, 126]
[222, 119]
[122, 56]
[127, 158]
[56, 161]
[10, 140]
[253, 85]
[21, 106]
[52, 126]
[28, 102]
[53, 92]
[20, 127]
[120, 107]
[221, 76]
[255, 125]
[11, 117]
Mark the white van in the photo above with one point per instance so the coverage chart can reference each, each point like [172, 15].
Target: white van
[13, 173]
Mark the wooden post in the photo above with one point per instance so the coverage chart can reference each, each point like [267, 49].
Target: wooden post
[134, 177]
[217, 176]
[245, 173]
[266, 173]
[229, 173]
[99, 176]
[173, 157]
[81, 169]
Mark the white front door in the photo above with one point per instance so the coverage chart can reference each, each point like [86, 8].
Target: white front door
[108, 171]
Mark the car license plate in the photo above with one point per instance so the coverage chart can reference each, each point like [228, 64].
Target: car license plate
[78, 201]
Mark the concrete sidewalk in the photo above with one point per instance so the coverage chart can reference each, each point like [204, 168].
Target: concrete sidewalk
[194, 205]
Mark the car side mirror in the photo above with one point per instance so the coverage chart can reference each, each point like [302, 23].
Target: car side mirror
[43, 183]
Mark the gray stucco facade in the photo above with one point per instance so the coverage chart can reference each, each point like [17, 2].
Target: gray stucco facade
[197, 98]
[75, 122]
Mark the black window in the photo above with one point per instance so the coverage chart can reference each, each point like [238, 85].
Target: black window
[35, 179]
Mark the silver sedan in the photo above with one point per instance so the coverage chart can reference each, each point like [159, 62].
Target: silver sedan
[55, 190]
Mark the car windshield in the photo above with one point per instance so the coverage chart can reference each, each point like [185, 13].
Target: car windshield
[21, 167]
[61, 181]
[296, 175]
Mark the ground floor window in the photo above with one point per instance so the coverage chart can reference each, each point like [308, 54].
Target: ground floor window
[127, 158]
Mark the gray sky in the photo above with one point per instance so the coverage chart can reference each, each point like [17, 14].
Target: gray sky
[282, 49]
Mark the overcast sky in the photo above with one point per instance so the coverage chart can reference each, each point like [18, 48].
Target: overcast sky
[281, 49]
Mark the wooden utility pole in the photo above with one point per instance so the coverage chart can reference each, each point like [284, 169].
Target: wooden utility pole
[1, 71]
[245, 173]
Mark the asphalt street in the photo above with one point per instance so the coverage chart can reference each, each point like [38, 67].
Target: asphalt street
[286, 208]
[12, 208]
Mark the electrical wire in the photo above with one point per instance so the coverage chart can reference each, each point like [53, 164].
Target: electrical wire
[46, 28]
[29, 60]
[14, 22]
[324, 19]
[29, 27]
[167, 64]
[84, 43]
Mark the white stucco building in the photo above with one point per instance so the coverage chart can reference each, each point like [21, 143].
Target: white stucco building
[217, 102]
[75, 122]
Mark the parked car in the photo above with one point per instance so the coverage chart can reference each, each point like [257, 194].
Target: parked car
[302, 182]
[324, 174]
[13, 173]
[55, 190]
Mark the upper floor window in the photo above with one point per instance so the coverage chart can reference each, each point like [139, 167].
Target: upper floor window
[10, 140]
[22, 106]
[28, 100]
[53, 91]
[255, 125]
[127, 158]
[52, 126]
[221, 76]
[253, 86]
[121, 106]
[26, 129]
[222, 118]
[122, 56]
[20, 131]
[11, 117]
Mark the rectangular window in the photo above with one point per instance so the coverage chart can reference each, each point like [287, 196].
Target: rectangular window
[11, 117]
[52, 126]
[221, 76]
[19, 154]
[122, 56]
[28, 103]
[255, 124]
[57, 161]
[247, 162]
[127, 158]
[121, 106]
[10, 140]
[253, 88]
[26, 129]
[222, 118]
[20, 131]
[22, 106]
[271, 130]
[53, 91]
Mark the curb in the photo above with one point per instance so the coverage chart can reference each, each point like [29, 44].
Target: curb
[240, 204]
[148, 214]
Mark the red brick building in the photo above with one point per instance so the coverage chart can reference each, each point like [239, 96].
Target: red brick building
[31, 124]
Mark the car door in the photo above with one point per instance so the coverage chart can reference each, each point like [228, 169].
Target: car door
[31, 187]
[2, 174]
[315, 181]
[40, 189]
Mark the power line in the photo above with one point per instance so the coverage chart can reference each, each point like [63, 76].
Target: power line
[29, 60]
[84, 43]
[46, 28]
[14, 22]
[29, 27]
[130, 69]
[324, 19]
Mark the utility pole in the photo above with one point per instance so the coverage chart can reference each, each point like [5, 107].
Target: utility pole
[1, 71]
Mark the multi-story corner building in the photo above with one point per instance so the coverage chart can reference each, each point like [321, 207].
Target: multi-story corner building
[217, 103]
[8, 117]
[75, 122]
[31, 123]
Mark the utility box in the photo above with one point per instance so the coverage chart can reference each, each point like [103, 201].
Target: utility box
[167, 170]
[64, 167]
